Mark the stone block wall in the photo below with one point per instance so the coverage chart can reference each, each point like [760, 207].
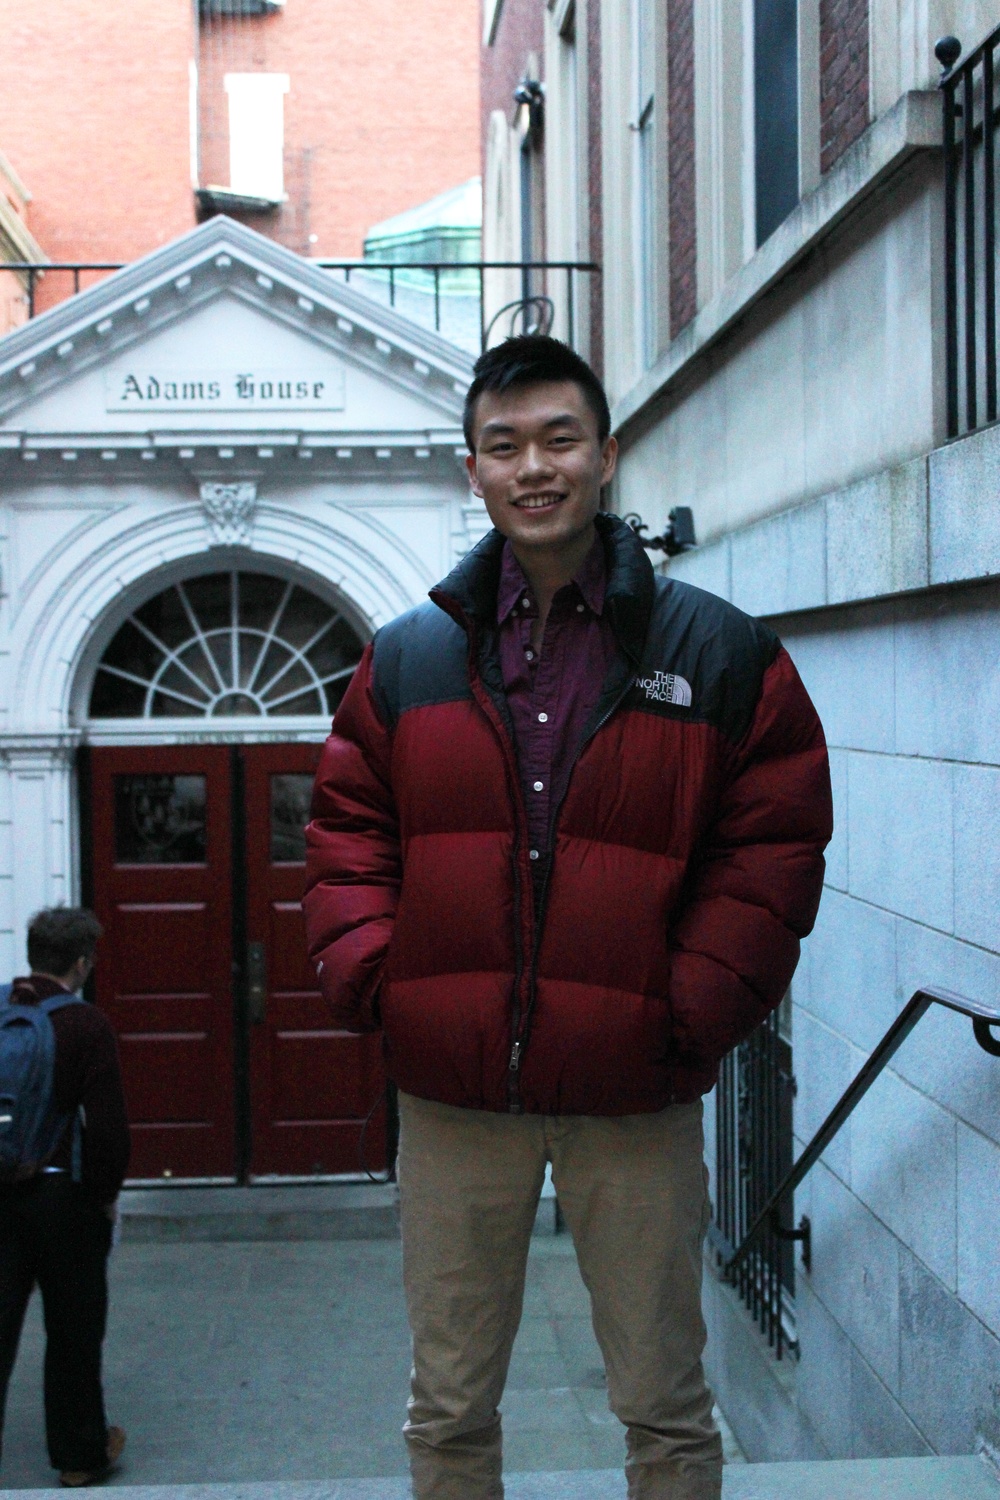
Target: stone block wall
[899, 1320]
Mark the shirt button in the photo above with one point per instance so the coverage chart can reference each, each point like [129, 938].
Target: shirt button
[526, 602]
[532, 853]
[539, 786]
[530, 655]
[579, 609]
[543, 718]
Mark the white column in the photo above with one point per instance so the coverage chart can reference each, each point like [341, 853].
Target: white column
[38, 857]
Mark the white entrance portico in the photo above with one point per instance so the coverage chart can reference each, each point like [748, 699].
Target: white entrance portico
[220, 427]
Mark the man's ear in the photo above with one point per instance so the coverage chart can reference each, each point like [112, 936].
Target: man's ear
[473, 473]
[609, 460]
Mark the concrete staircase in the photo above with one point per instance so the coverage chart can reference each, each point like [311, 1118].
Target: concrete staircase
[855, 1479]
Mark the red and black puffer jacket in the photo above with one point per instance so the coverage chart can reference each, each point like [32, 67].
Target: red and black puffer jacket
[687, 853]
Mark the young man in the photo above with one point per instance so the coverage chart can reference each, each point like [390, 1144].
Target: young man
[568, 833]
[56, 1230]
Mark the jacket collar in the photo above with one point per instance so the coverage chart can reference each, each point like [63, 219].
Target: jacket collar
[469, 593]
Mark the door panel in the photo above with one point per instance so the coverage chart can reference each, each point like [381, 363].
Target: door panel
[311, 1086]
[161, 859]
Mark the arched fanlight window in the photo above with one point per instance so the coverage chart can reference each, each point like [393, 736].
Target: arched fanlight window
[227, 644]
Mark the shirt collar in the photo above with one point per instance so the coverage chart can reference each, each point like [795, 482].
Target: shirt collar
[590, 579]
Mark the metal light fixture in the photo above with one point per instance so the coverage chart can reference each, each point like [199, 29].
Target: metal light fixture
[531, 93]
[678, 535]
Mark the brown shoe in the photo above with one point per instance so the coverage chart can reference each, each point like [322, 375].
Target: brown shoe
[75, 1479]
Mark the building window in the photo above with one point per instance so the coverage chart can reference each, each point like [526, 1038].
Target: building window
[224, 645]
[257, 134]
[776, 112]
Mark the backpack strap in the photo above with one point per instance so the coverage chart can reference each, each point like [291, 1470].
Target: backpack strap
[5, 990]
[59, 1002]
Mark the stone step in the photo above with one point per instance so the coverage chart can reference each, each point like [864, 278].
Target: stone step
[313, 1211]
[855, 1479]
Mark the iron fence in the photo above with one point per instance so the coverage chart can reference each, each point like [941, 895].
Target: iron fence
[753, 1153]
[467, 302]
[971, 118]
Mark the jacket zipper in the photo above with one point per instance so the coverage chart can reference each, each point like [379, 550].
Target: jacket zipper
[510, 761]
[521, 1036]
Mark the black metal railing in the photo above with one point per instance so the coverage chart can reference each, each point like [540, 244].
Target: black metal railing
[753, 1131]
[467, 302]
[769, 1228]
[971, 119]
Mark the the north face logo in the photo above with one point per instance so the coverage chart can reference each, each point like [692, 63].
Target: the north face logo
[667, 687]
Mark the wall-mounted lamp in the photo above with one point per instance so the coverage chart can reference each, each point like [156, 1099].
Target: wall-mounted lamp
[531, 93]
[677, 537]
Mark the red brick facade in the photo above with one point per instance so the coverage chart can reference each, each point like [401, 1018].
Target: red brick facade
[95, 113]
[681, 164]
[94, 117]
[382, 113]
[843, 76]
[519, 35]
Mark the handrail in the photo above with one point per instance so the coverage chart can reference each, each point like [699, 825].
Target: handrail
[983, 1017]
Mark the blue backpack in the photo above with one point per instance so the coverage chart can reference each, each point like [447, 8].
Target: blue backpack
[30, 1125]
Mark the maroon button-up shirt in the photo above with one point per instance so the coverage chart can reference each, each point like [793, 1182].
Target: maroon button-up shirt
[552, 693]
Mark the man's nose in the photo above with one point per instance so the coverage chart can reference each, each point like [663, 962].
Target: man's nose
[534, 461]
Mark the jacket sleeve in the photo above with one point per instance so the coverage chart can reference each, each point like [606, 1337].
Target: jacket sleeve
[757, 882]
[106, 1138]
[353, 858]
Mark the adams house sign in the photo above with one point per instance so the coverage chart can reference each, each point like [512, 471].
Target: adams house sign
[139, 389]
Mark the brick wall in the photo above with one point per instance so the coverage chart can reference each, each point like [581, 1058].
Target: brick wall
[94, 116]
[94, 112]
[519, 35]
[383, 111]
[843, 78]
[681, 164]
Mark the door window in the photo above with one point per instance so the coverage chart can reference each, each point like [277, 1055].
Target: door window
[291, 795]
[160, 820]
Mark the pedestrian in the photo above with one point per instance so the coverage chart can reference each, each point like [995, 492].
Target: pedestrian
[64, 1149]
[567, 836]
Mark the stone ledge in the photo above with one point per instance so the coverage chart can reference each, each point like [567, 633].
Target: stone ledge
[929, 522]
[337, 1211]
[348, 1211]
[849, 1479]
[914, 124]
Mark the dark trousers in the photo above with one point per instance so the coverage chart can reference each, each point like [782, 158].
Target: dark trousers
[52, 1233]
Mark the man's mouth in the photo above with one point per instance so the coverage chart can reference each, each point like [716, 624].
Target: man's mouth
[540, 501]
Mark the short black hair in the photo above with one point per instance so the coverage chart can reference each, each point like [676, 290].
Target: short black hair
[534, 359]
[58, 936]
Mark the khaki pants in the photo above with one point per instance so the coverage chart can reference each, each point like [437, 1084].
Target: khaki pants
[633, 1193]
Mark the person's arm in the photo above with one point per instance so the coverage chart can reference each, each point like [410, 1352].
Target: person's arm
[353, 863]
[759, 876]
[106, 1137]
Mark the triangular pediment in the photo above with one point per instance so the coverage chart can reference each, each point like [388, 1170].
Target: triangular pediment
[223, 330]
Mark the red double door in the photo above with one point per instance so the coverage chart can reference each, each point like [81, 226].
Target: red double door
[231, 1065]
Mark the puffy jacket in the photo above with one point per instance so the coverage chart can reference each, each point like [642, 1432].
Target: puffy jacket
[687, 852]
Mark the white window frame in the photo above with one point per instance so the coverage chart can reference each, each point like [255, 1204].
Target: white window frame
[257, 134]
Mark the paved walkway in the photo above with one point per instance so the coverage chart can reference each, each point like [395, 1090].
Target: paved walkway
[290, 1361]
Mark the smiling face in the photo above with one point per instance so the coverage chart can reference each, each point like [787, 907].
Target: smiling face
[539, 465]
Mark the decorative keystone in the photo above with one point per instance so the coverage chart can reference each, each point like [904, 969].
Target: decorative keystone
[229, 512]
